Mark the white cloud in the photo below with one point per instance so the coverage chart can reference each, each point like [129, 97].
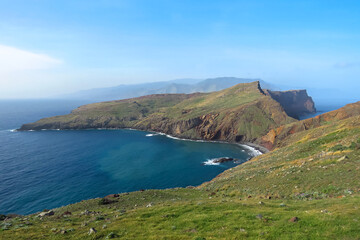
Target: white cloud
[14, 60]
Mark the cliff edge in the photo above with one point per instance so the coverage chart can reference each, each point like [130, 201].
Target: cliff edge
[296, 103]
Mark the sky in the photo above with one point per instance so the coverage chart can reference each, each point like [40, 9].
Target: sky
[49, 48]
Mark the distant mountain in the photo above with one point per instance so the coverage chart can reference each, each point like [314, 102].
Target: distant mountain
[174, 86]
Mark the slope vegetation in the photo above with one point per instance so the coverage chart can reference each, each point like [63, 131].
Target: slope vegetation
[240, 113]
[306, 188]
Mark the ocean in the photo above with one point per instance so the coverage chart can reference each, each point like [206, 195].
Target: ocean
[48, 169]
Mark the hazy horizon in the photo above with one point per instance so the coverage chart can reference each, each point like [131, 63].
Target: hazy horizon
[53, 48]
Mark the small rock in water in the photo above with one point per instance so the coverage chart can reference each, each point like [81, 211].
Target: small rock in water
[92, 231]
[294, 219]
[223, 159]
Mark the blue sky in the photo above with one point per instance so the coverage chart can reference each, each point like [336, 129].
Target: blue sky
[54, 47]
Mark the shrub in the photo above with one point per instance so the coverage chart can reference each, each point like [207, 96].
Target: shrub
[338, 147]
[104, 201]
[353, 146]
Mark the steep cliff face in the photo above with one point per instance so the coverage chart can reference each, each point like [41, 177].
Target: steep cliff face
[240, 113]
[274, 138]
[295, 102]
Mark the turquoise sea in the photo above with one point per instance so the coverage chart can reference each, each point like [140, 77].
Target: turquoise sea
[48, 169]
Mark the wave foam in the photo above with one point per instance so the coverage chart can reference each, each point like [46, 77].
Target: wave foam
[211, 162]
[151, 134]
[252, 151]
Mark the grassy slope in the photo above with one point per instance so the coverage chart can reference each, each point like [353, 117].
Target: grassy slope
[308, 177]
[190, 214]
[241, 113]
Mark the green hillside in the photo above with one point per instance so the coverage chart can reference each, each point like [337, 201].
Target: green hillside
[240, 113]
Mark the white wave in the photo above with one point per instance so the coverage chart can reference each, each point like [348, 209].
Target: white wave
[12, 130]
[184, 139]
[172, 137]
[212, 162]
[151, 134]
[252, 151]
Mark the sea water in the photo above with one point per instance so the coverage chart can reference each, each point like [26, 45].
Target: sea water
[48, 169]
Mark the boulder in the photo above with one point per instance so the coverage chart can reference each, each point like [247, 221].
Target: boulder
[294, 219]
[49, 213]
[223, 159]
[92, 231]
[112, 196]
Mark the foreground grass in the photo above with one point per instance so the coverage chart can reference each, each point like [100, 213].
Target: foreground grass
[194, 214]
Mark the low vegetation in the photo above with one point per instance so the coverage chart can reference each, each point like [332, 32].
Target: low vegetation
[307, 187]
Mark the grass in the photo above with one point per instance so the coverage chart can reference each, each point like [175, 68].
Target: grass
[192, 214]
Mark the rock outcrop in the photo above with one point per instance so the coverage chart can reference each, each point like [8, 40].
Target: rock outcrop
[296, 103]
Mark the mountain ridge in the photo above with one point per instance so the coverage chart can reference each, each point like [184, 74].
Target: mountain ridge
[236, 114]
[173, 86]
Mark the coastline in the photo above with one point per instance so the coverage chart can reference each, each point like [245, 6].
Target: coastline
[255, 149]
[251, 151]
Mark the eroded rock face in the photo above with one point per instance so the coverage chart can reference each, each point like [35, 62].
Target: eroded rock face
[276, 135]
[296, 103]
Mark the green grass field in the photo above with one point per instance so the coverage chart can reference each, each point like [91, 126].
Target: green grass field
[195, 214]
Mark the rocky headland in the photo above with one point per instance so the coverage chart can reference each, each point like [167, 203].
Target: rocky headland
[242, 113]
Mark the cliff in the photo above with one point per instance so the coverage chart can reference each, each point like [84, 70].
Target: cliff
[295, 102]
[275, 137]
[237, 114]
